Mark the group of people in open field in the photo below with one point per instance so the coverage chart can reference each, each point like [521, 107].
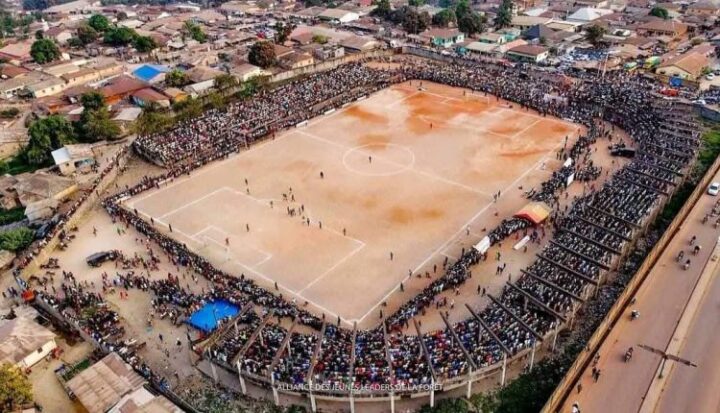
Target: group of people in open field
[588, 237]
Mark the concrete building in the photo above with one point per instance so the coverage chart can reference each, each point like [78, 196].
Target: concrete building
[528, 53]
[24, 342]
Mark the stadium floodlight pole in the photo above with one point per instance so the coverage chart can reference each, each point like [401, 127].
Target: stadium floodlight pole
[665, 357]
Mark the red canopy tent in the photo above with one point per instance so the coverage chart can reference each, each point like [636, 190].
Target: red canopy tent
[535, 212]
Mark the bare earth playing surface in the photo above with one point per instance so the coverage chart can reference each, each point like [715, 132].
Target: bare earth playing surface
[406, 172]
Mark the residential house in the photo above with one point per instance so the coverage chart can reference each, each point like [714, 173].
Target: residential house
[659, 27]
[203, 78]
[443, 37]
[68, 9]
[359, 44]
[704, 9]
[48, 87]
[492, 38]
[24, 342]
[528, 53]
[60, 34]
[112, 386]
[296, 60]
[70, 158]
[149, 96]
[328, 52]
[588, 14]
[687, 66]
[338, 16]
[120, 88]
[525, 22]
[17, 53]
[246, 71]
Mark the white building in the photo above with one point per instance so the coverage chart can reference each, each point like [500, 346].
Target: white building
[338, 15]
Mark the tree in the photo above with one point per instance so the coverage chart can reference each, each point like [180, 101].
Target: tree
[188, 109]
[416, 3]
[95, 123]
[504, 16]
[99, 22]
[445, 18]
[86, 34]
[446, 3]
[262, 54]
[471, 23]
[282, 31]
[15, 388]
[383, 9]
[320, 39]
[176, 78]
[462, 8]
[152, 120]
[225, 82]
[44, 51]
[144, 44]
[119, 36]
[660, 12]
[16, 240]
[414, 22]
[195, 31]
[121, 16]
[46, 135]
[595, 34]
[35, 4]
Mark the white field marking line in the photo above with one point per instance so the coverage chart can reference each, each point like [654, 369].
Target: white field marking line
[462, 229]
[229, 252]
[331, 269]
[259, 274]
[399, 165]
[432, 255]
[222, 233]
[402, 99]
[191, 203]
[525, 129]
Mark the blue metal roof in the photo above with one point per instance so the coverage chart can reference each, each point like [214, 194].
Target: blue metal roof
[147, 72]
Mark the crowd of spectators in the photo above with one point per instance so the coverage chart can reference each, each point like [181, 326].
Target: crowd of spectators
[588, 236]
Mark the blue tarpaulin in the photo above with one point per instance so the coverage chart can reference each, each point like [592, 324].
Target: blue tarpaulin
[207, 317]
[146, 73]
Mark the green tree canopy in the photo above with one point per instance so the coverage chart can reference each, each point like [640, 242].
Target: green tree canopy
[16, 240]
[46, 135]
[282, 31]
[471, 23]
[144, 44]
[383, 9]
[412, 21]
[504, 16]
[225, 82]
[595, 34]
[99, 22]
[262, 54]
[86, 34]
[152, 120]
[119, 36]
[95, 123]
[15, 387]
[44, 51]
[35, 4]
[445, 18]
[176, 78]
[660, 12]
[195, 31]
